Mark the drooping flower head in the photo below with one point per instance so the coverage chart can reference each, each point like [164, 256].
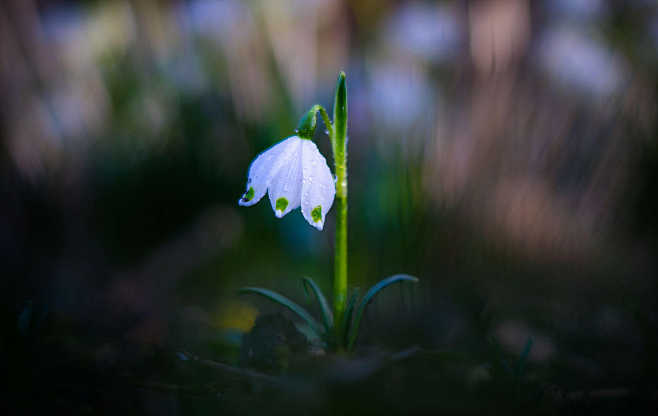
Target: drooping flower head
[295, 174]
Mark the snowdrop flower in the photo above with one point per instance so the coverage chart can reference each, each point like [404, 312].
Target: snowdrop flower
[295, 173]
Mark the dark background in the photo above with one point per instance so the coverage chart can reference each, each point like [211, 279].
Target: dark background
[502, 151]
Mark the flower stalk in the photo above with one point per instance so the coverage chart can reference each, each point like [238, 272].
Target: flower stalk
[338, 137]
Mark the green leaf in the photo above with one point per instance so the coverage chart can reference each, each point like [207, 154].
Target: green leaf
[284, 301]
[347, 316]
[327, 315]
[368, 298]
[524, 356]
[311, 335]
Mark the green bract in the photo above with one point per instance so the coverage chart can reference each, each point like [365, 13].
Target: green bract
[307, 124]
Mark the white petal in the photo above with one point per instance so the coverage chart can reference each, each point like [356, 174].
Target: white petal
[318, 187]
[264, 168]
[285, 188]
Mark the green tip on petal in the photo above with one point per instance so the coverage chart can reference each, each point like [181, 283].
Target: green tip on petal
[249, 195]
[307, 124]
[281, 205]
[316, 213]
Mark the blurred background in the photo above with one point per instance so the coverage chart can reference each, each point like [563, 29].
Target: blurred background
[504, 151]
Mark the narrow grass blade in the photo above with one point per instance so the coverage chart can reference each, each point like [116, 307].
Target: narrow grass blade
[368, 298]
[347, 316]
[284, 301]
[327, 315]
[524, 356]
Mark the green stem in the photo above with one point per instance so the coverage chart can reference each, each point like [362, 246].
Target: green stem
[327, 122]
[339, 147]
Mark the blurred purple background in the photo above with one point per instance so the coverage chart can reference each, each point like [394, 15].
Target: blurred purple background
[503, 151]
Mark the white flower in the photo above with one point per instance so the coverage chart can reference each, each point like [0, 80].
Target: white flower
[295, 173]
